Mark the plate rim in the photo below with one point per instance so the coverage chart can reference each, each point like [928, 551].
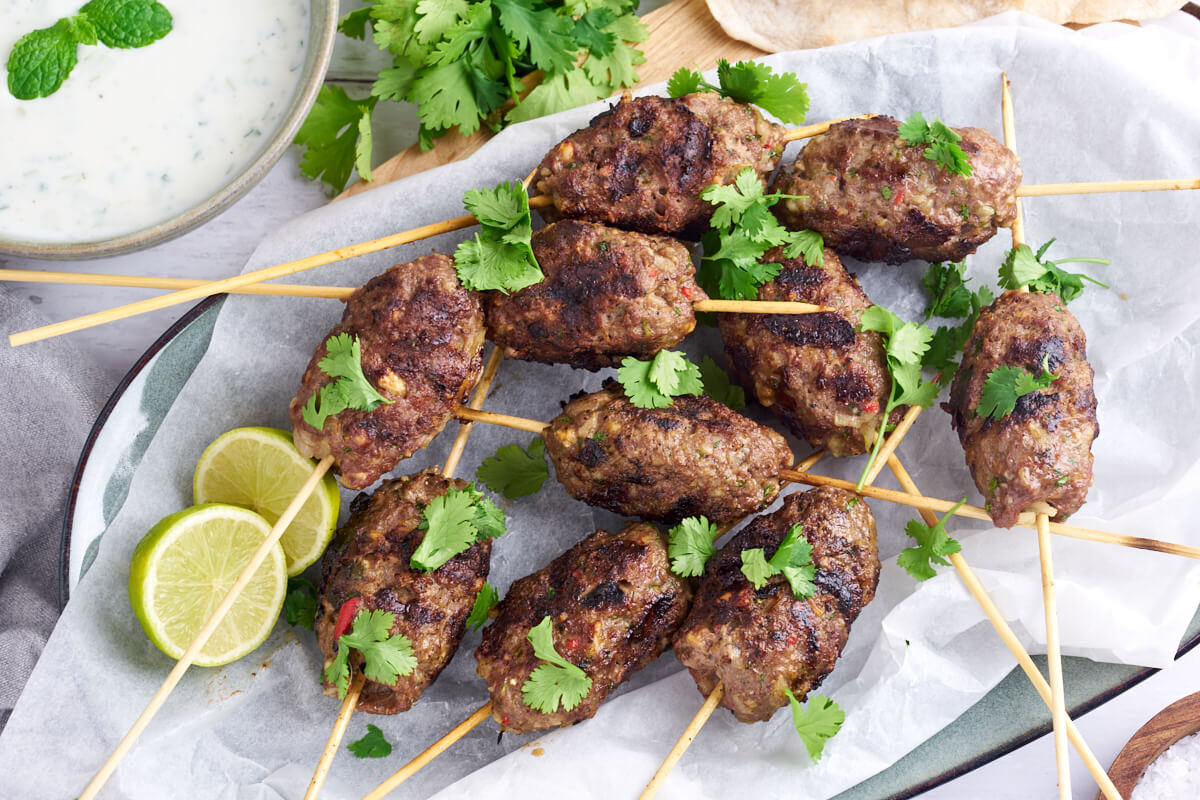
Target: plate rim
[165, 338]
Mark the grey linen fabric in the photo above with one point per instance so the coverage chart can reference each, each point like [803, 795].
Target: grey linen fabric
[51, 396]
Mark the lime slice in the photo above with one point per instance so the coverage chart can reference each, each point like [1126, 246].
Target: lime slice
[186, 564]
[260, 469]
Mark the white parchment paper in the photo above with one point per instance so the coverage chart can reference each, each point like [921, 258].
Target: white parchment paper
[918, 656]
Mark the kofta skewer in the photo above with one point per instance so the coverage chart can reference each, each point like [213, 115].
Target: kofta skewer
[463, 728]
[350, 703]
[684, 172]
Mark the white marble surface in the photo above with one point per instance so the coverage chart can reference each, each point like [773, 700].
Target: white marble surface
[220, 248]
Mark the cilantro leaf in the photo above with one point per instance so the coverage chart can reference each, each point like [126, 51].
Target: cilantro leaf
[557, 682]
[906, 345]
[514, 472]
[719, 387]
[373, 745]
[1023, 267]
[933, 545]
[943, 148]
[336, 137]
[793, 558]
[300, 603]
[355, 23]
[555, 93]
[452, 523]
[816, 724]
[782, 95]
[534, 26]
[436, 17]
[1004, 386]
[809, 244]
[386, 657]
[484, 601]
[128, 23]
[652, 384]
[691, 545]
[395, 82]
[350, 389]
[500, 257]
[686, 81]
[733, 201]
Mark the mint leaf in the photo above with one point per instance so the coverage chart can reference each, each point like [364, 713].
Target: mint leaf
[40, 61]
[128, 23]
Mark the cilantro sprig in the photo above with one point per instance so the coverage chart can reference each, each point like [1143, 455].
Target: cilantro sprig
[42, 60]
[719, 387]
[300, 602]
[793, 558]
[816, 724]
[500, 256]
[468, 64]
[691, 546]
[933, 545]
[743, 230]
[514, 472]
[386, 657]
[556, 683]
[484, 601]
[452, 523]
[781, 94]
[950, 298]
[1023, 267]
[350, 387]
[653, 383]
[337, 135]
[1004, 386]
[906, 344]
[373, 745]
[943, 148]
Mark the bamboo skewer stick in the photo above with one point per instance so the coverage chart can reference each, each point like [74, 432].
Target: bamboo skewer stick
[343, 292]
[431, 752]
[975, 587]
[1107, 187]
[156, 702]
[351, 700]
[349, 703]
[817, 128]
[684, 742]
[1058, 707]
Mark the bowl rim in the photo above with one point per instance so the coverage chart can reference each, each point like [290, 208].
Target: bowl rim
[323, 30]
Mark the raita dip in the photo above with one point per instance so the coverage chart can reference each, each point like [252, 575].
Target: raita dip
[135, 137]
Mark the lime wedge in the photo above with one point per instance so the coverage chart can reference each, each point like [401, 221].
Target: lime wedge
[260, 469]
[187, 563]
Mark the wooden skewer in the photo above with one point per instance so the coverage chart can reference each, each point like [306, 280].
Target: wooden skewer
[1107, 187]
[349, 703]
[1058, 706]
[504, 420]
[352, 694]
[817, 128]
[343, 292]
[431, 752]
[684, 742]
[975, 587]
[206, 632]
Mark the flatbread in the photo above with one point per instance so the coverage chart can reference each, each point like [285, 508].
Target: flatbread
[777, 25]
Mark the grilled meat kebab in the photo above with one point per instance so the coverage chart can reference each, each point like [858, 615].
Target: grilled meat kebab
[758, 643]
[877, 198]
[608, 294]
[368, 564]
[642, 164]
[421, 335]
[1042, 450]
[694, 457]
[613, 603]
[827, 380]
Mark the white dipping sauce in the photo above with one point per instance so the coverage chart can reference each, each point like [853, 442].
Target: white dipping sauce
[134, 137]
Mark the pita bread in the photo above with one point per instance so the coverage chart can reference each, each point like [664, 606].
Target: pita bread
[777, 25]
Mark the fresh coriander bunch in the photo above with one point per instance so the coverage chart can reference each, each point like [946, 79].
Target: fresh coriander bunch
[470, 63]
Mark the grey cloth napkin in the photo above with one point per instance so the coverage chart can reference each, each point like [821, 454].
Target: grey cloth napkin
[52, 394]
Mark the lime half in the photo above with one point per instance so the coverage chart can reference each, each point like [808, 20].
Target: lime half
[187, 563]
[260, 469]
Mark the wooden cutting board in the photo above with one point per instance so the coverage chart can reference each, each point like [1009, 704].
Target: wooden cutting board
[682, 34]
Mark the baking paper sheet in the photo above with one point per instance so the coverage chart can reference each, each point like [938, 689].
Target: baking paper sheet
[917, 657]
